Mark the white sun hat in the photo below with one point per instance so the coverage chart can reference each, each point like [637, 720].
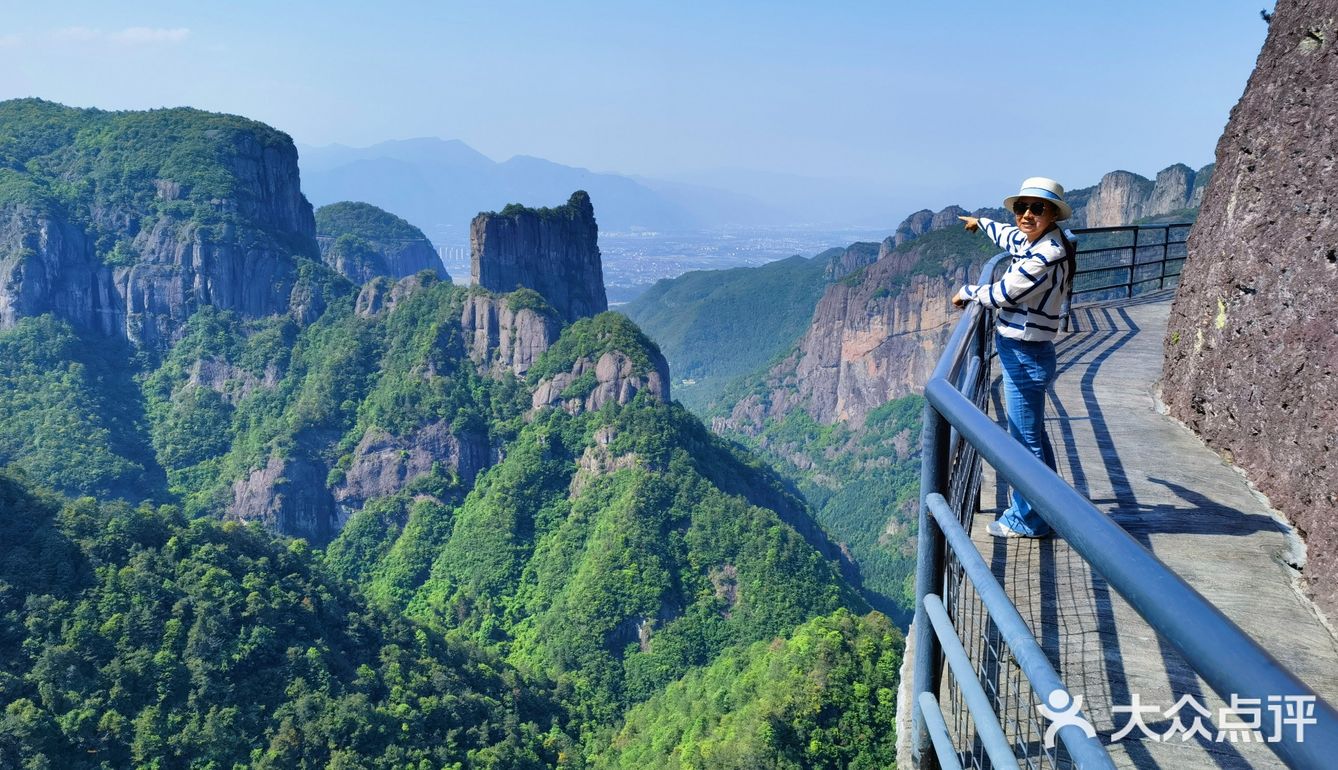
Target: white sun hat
[1045, 189]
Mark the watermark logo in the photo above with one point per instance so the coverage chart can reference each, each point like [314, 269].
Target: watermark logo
[1242, 721]
[1063, 712]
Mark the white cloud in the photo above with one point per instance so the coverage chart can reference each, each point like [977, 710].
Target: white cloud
[127, 36]
[78, 34]
[150, 35]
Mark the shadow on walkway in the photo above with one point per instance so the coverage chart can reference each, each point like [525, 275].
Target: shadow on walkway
[1071, 608]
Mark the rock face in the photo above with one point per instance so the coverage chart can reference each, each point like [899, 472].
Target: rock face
[48, 267]
[867, 346]
[913, 226]
[380, 295]
[288, 496]
[231, 382]
[925, 221]
[383, 464]
[612, 379]
[142, 258]
[552, 251]
[852, 258]
[500, 338]
[361, 242]
[1251, 350]
[870, 341]
[1123, 197]
[361, 261]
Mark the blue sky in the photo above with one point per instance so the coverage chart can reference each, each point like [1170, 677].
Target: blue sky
[925, 104]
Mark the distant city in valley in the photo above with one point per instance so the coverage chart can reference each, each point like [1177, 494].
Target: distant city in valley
[635, 260]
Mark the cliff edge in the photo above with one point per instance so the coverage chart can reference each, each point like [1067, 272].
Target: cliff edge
[1250, 349]
[554, 251]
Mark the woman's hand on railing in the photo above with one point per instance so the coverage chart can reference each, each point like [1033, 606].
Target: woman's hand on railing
[960, 299]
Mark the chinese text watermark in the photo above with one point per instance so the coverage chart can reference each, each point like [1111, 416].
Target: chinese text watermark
[1242, 721]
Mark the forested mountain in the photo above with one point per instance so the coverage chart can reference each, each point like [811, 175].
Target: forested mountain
[798, 704]
[131, 636]
[718, 325]
[361, 241]
[299, 522]
[816, 364]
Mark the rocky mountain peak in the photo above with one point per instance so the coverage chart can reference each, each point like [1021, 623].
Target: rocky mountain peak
[1123, 197]
[554, 251]
[596, 361]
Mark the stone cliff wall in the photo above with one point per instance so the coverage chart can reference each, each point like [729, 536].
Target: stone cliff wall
[1251, 350]
[867, 345]
[502, 338]
[245, 260]
[853, 257]
[552, 251]
[874, 337]
[592, 384]
[1122, 197]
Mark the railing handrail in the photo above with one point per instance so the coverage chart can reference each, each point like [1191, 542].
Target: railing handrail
[1227, 658]
[1134, 248]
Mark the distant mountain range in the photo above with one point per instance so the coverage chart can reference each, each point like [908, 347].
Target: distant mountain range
[439, 185]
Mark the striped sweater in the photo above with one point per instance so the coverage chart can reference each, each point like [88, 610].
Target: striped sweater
[1030, 296]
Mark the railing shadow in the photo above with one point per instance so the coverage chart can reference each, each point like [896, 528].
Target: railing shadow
[1070, 608]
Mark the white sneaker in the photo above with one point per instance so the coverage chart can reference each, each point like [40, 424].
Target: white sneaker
[1000, 529]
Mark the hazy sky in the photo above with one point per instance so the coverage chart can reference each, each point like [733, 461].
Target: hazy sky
[938, 101]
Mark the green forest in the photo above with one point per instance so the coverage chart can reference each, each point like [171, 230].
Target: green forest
[716, 326]
[340, 534]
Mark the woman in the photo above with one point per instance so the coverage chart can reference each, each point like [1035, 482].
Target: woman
[1030, 301]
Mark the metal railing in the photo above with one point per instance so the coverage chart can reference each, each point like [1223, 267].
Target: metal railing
[989, 717]
[1120, 262]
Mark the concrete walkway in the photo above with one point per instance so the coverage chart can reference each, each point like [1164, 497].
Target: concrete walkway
[1193, 511]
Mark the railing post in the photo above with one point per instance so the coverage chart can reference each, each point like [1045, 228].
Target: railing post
[928, 578]
[1133, 265]
[1165, 252]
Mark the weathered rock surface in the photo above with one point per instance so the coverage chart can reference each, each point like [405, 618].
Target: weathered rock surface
[853, 257]
[924, 221]
[47, 266]
[913, 226]
[1122, 197]
[383, 464]
[247, 264]
[501, 339]
[381, 294]
[614, 379]
[597, 460]
[288, 495]
[864, 350]
[361, 263]
[552, 251]
[182, 269]
[867, 345]
[232, 382]
[1251, 351]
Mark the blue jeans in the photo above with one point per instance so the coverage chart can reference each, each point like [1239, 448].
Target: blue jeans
[1028, 370]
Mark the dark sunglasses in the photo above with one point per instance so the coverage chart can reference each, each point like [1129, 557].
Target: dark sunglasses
[1038, 208]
